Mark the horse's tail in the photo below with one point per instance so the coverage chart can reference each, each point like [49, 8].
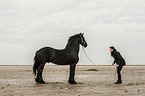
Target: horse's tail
[36, 64]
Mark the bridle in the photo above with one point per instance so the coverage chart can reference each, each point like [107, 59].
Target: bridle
[83, 43]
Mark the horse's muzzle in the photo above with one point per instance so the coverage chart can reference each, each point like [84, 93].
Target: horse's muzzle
[85, 45]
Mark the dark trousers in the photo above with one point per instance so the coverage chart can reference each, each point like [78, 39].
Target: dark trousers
[119, 74]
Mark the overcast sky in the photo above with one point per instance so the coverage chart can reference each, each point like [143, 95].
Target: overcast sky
[28, 25]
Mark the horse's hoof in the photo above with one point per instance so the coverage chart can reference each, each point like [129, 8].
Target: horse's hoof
[42, 82]
[72, 82]
[37, 80]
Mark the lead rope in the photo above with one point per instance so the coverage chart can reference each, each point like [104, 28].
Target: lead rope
[94, 63]
[88, 56]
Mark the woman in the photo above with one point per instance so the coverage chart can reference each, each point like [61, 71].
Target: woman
[119, 61]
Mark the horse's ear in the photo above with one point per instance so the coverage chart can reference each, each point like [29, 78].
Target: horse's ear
[81, 33]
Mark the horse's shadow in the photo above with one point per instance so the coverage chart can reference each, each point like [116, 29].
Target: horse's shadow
[56, 83]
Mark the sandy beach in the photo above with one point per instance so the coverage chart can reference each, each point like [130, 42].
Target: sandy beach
[19, 81]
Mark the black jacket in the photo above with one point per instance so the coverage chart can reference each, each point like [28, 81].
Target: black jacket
[119, 60]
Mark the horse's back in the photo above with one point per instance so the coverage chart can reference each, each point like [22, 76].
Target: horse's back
[44, 50]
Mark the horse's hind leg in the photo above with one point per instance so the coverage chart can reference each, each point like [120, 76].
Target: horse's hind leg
[39, 78]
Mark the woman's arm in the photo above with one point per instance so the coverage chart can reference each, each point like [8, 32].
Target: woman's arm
[118, 56]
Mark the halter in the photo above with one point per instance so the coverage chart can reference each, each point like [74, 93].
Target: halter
[83, 43]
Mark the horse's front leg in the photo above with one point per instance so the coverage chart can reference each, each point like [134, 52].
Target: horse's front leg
[72, 74]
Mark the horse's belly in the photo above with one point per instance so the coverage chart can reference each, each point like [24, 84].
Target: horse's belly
[60, 60]
[60, 63]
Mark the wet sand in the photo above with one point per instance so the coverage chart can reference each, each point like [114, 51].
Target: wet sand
[19, 81]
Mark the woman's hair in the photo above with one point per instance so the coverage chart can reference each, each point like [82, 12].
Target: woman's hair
[112, 47]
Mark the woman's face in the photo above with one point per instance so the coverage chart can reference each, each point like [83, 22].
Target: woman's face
[111, 50]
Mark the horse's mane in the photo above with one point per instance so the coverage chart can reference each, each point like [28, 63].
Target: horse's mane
[71, 37]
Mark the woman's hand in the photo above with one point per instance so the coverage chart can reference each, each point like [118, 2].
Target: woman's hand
[117, 65]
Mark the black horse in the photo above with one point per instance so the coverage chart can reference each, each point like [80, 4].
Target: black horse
[66, 56]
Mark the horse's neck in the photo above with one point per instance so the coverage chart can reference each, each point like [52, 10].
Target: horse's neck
[73, 45]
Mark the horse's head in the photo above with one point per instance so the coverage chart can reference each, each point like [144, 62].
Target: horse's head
[82, 40]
